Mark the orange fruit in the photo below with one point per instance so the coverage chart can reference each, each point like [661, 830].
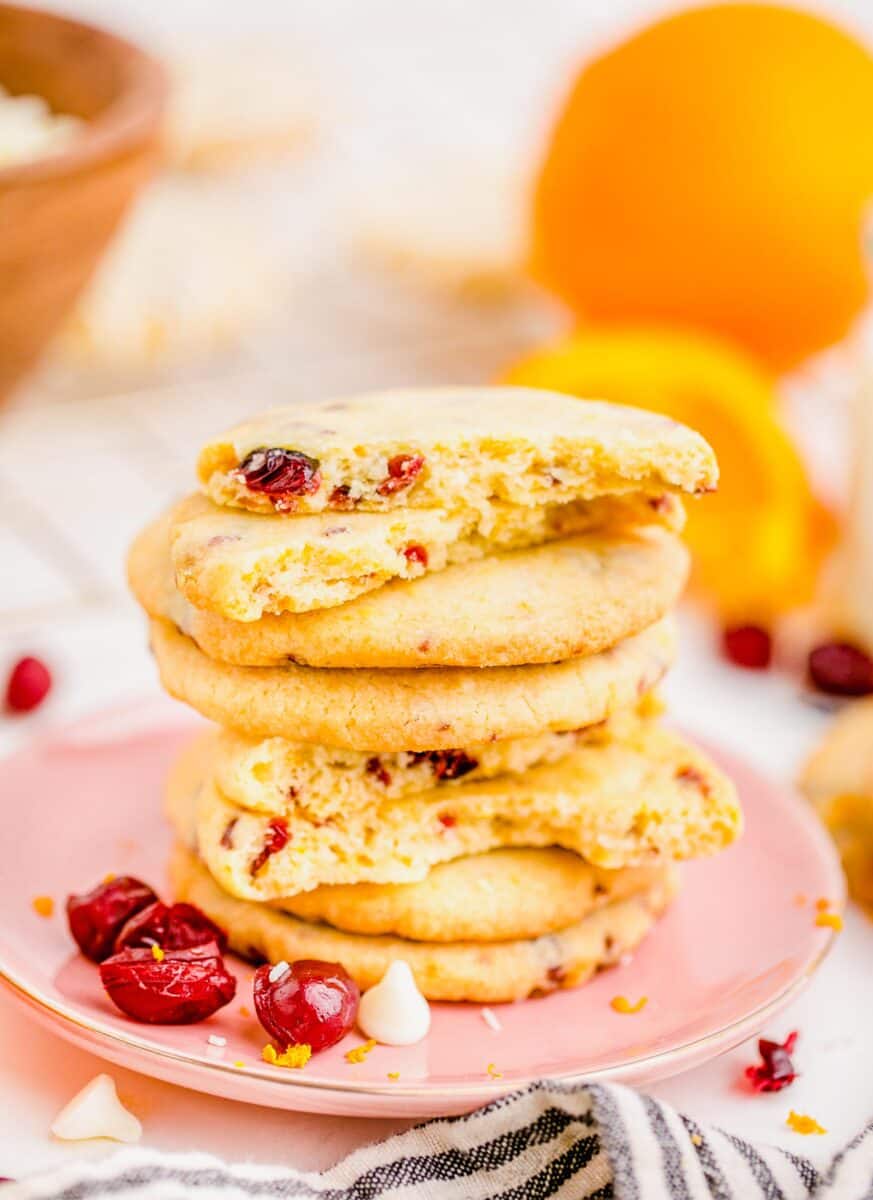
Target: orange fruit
[758, 542]
[712, 172]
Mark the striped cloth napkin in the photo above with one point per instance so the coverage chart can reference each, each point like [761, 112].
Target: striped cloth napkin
[590, 1142]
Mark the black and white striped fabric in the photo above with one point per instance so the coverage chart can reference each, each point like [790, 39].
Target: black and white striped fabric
[595, 1142]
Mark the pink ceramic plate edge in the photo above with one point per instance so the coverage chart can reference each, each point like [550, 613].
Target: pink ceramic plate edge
[256, 1083]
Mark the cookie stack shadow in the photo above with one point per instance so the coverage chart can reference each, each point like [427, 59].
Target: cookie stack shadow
[429, 628]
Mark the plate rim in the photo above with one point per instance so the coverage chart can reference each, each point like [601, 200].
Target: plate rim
[94, 1030]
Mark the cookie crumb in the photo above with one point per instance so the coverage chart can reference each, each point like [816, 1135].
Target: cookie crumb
[621, 1004]
[358, 1053]
[43, 906]
[801, 1123]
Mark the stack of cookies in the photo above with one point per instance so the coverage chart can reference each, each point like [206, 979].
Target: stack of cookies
[429, 626]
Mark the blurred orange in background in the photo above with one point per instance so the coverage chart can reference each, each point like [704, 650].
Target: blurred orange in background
[758, 542]
[712, 172]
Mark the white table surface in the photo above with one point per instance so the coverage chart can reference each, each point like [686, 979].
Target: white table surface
[101, 657]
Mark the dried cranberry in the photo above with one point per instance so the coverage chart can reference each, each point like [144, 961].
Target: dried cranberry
[447, 764]
[748, 646]
[341, 497]
[170, 926]
[447, 820]
[416, 554]
[276, 839]
[376, 767]
[96, 917]
[307, 1003]
[693, 776]
[403, 470]
[776, 1070]
[279, 472]
[227, 835]
[173, 987]
[29, 683]
[841, 670]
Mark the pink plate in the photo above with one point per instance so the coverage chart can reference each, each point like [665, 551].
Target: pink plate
[735, 948]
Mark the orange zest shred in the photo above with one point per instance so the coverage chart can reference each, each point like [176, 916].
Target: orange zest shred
[801, 1123]
[830, 919]
[621, 1004]
[108, 877]
[822, 904]
[493, 1072]
[295, 1056]
[239, 1063]
[358, 1053]
[243, 1011]
[43, 906]
[393, 1074]
[157, 954]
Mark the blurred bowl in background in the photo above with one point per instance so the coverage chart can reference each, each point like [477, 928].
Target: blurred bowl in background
[58, 212]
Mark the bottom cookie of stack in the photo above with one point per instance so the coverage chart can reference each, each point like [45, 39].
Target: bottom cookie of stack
[614, 910]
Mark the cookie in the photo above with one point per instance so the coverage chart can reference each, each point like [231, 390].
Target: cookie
[243, 565]
[638, 801]
[838, 779]
[450, 448]
[494, 897]
[572, 597]
[261, 775]
[389, 710]
[485, 972]
[188, 276]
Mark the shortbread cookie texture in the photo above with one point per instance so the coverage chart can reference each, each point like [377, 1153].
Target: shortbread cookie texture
[244, 565]
[450, 448]
[393, 710]
[485, 972]
[494, 897]
[576, 596]
[272, 774]
[643, 800]
[838, 779]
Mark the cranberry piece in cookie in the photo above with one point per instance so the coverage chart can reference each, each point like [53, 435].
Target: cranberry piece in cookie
[168, 987]
[403, 470]
[306, 1003]
[277, 838]
[97, 917]
[280, 473]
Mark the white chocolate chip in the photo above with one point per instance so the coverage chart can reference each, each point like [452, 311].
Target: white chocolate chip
[96, 1112]
[394, 1012]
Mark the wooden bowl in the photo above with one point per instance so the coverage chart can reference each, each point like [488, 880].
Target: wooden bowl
[58, 212]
